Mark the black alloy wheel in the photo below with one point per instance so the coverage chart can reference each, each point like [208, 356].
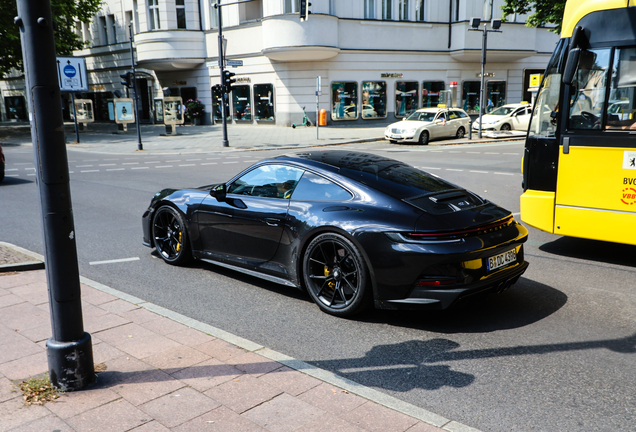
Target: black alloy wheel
[505, 127]
[171, 237]
[335, 275]
[424, 138]
[460, 133]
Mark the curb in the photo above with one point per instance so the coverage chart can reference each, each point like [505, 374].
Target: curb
[36, 264]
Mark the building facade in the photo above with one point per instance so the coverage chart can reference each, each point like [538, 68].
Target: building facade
[377, 60]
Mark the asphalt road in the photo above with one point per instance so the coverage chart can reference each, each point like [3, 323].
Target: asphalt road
[556, 352]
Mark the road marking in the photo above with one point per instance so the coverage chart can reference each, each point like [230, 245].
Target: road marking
[130, 163]
[13, 169]
[23, 163]
[29, 169]
[116, 169]
[453, 169]
[491, 152]
[163, 166]
[152, 162]
[90, 160]
[436, 151]
[232, 157]
[517, 214]
[500, 173]
[12, 175]
[107, 164]
[211, 158]
[31, 174]
[114, 261]
[230, 162]
[83, 166]
[474, 152]
[174, 160]
[209, 163]
[480, 172]
[454, 151]
[110, 159]
[190, 160]
[252, 160]
[515, 154]
[140, 167]
[90, 171]
[431, 168]
[187, 165]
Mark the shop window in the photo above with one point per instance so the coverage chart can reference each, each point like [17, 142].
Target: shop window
[470, 96]
[217, 103]
[419, 10]
[431, 93]
[344, 96]
[241, 103]
[153, 15]
[181, 14]
[264, 102]
[495, 94]
[15, 107]
[373, 99]
[405, 97]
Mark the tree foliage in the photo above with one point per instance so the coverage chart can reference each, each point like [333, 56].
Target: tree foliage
[544, 11]
[64, 12]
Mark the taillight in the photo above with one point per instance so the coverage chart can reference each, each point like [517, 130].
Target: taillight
[484, 229]
[437, 281]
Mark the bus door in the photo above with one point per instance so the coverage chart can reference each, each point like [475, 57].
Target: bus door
[596, 180]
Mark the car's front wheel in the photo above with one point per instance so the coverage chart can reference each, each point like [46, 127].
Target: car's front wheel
[424, 138]
[335, 275]
[170, 235]
[505, 127]
[460, 133]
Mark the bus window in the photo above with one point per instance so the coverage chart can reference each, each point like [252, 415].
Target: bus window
[622, 101]
[543, 121]
[588, 93]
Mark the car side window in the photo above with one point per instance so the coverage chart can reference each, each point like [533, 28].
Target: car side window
[461, 114]
[269, 181]
[452, 115]
[312, 187]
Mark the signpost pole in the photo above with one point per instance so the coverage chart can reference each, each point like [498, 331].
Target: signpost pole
[77, 139]
[224, 90]
[134, 80]
[317, 107]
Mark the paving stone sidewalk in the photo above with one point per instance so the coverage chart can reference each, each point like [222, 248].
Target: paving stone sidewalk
[165, 372]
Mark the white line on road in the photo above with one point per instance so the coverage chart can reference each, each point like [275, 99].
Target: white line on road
[187, 165]
[474, 152]
[190, 160]
[163, 166]
[12, 169]
[107, 164]
[83, 166]
[516, 154]
[110, 159]
[491, 152]
[89, 171]
[453, 169]
[31, 174]
[174, 160]
[152, 162]
[500, 173]
[130, 163]
[431, 168]
[209, 163]
[140, 167]
[480, 172]
[115, 169]
[114, 261]
[230, 162]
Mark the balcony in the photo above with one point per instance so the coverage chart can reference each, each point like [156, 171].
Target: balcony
[170, 50]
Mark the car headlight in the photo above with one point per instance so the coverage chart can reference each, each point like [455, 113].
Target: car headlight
[410, 131]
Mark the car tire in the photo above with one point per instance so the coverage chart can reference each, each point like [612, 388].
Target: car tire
[336, 275]
[170, 235]
[294, 126]
[423, 138]
[460, 133]
[505, 127]
[393, 141]
[1, 171]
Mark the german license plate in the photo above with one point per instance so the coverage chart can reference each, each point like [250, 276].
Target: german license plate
[502, 260]
[396, 136]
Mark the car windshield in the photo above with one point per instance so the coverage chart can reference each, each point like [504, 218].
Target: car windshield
[422, 116]
[502, 111]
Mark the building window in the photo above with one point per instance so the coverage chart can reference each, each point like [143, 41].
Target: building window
[113, 26]
[217, 103]
[387, 9]
[103, 33]
[153, 15]
[403, 10]
[129, 21]
[136, 16]
[292, 6]
[470, 96]
[263, 102]
[344, 97]
[181, 14]
[419, 10]
[369, 9]
[431, 93]
[455, 5]
[373, 99]
[15, 107]
[214, 17]
[405, 97]
[495, 94]
[241, 103]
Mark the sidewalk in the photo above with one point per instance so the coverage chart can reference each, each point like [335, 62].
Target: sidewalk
[162, 371]
[103, 138]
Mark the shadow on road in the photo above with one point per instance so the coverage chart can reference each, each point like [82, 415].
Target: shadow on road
[8, 181]
[592, 250]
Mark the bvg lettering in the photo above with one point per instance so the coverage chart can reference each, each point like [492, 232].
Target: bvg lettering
[631, 181]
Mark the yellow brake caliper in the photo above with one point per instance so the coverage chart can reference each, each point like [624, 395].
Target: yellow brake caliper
[331, 284]
[179, 243]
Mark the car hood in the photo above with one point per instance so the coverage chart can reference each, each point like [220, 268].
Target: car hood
[488, 118]
[409, 124]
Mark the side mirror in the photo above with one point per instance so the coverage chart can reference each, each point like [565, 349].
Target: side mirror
[571, 65]
[219, 192]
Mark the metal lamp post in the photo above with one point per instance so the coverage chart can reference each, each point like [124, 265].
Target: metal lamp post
[495, 24]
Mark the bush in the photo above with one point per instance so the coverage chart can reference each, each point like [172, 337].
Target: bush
[194, 109]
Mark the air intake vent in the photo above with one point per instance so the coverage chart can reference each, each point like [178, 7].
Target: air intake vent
[449, 201]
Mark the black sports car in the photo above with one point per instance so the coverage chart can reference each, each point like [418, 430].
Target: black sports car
[354, 229]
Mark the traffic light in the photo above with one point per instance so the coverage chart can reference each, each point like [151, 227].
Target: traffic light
[304, 10]
[127, 79]
[217, 90]
[228, 80]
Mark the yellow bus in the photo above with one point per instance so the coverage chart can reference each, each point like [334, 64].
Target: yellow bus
[579, 163]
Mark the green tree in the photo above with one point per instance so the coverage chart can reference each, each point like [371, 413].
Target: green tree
[65, 13]
[545, 11]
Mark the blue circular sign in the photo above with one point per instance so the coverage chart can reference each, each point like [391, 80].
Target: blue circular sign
[69, 71]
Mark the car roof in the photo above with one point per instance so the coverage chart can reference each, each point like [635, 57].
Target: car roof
[436, 109]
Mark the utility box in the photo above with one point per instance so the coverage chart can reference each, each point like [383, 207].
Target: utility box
[124, 111]
[172, 113]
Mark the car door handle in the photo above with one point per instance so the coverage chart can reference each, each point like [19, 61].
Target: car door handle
[271, 221]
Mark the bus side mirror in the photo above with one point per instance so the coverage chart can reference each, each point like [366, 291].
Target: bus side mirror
[571, 65]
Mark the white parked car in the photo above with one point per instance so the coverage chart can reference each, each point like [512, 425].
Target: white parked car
[505, 118]
[429, 123]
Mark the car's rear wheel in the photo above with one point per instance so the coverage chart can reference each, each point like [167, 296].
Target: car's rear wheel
[505, 127]
[393, 141]
[335, 275]
[460, 133]
[170, 235]
[424, 138]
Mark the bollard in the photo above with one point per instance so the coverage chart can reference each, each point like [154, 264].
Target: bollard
[470, 129]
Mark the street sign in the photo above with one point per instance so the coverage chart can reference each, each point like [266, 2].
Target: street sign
[71, 74]
[234, 62]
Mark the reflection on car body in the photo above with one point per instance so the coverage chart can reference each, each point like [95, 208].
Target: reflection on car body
[353, 229]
